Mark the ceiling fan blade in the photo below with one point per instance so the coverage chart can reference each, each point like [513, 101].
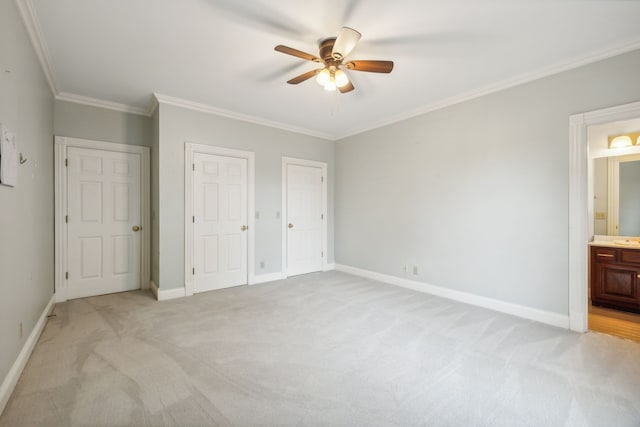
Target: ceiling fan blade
[345, 42]
[346, 88]
[371, 66]
[297, 53]
[304, 76]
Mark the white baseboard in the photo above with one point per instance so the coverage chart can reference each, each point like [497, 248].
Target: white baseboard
[264, 278]
[330, 267]
[154, 288]
[167, 294]
[541, 316]
[10, 381]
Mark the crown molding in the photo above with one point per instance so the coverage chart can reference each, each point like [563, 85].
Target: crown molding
[502, 85]
[203, 108]
[32, 25]
[101, 103]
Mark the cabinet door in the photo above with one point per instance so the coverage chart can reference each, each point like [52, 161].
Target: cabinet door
[616, 283]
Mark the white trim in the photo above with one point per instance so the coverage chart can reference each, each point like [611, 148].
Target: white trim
[100, 103]
[283, 216]
[580, 211]
[270, 277]
[330, 267]
[167, 294]
[11, 379]
[542, 316]
[154, 289]
[203, 108]
[32, 25]
[189, 150]
[61, 144]
[500, 86]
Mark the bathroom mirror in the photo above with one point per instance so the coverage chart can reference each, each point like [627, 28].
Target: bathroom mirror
[617, 195]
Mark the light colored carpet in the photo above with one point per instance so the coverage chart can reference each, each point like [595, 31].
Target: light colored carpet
[326, 349]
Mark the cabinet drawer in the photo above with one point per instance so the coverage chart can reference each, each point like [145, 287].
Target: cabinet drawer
[604, 254]
[630, 256]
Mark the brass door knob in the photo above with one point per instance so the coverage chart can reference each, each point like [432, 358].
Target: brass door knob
[290, 225]
[243, 228]
[135, 228]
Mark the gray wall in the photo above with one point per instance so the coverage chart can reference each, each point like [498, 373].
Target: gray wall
[178, 126]
[26, 211]
[475, 195]
[101, 124]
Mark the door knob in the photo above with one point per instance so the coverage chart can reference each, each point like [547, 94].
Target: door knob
[135, 228]
[243, 228]
[290, 225]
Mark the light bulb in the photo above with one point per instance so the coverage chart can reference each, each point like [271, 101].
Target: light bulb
[323, 77]
[330, 86]
[341, 78]
[620, 141]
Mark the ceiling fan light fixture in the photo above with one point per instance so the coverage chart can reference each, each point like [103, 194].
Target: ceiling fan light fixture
[345, 42]
[324, 77]
[341, 78]
[330, 86]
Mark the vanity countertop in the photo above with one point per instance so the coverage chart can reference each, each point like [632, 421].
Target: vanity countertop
[617, 243]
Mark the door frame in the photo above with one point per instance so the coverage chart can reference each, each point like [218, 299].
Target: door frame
[303, 162]
[189, 150]
[61, 144]
[581, 213]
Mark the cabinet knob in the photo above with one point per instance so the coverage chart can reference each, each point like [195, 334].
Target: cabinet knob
[135, 228]
[243, 228]
[290, 225]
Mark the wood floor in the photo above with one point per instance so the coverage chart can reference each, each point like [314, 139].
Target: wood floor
[614, 322]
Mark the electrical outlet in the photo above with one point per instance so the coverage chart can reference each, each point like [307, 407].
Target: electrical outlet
[404, 268]
[261, 264]
[415, 270]
[20, 329]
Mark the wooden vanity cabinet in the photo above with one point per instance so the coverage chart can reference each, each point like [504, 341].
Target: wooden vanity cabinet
[615, 278]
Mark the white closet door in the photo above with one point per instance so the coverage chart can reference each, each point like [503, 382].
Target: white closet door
[103, 189]
[304, 219]
[220, 222]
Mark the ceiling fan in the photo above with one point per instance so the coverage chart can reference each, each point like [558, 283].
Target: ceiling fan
[333, 52]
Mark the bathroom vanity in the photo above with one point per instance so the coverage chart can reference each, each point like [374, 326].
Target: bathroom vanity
[615, 275]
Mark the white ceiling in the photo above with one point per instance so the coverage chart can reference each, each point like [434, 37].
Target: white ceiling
[220, 52]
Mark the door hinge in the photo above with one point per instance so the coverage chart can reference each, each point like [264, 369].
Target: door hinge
[66, 162]
[321, 216]
[193, 166]
[66, 275]
[322, 179]
[66, 219]
[193, 271]
[322, 254]
[193, 219]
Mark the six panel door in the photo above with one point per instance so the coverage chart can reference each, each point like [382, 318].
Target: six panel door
[219, 221]
[103, 192]
[304, 219]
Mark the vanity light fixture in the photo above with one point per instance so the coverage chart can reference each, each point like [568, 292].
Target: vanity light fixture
[624, 140]
[620, 141]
